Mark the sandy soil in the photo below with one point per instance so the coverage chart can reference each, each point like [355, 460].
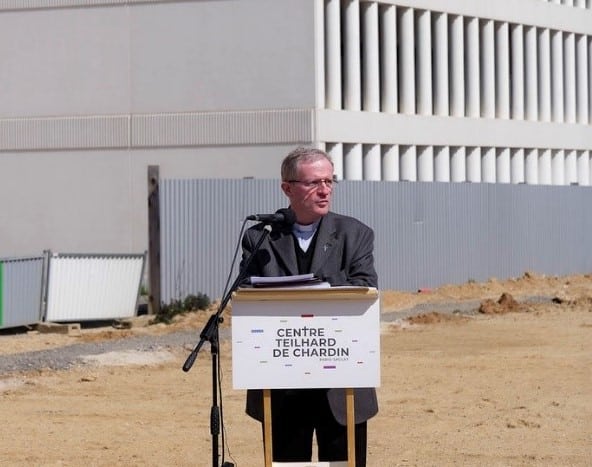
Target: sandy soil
[510, 386]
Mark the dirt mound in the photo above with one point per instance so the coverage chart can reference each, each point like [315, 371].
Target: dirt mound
[434, 317]
[505, 304]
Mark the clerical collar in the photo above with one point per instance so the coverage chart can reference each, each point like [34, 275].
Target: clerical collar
[299, 228]
[304, 234]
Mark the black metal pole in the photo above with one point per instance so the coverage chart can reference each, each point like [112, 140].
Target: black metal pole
[215, 412]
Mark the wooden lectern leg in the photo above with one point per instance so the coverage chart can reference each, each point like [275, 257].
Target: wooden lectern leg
[351, 428]
[267, 444]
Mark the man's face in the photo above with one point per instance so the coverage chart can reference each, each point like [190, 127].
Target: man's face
[310, 198]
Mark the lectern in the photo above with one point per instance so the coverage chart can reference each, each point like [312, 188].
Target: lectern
[306, 337]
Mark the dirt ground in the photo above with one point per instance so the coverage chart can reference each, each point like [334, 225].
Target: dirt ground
[510, 386]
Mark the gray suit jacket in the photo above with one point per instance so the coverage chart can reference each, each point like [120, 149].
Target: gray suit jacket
[343, 256]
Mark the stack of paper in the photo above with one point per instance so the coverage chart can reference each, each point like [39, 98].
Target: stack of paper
[299, 280]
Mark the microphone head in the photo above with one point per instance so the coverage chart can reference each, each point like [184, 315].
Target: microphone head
[289, 216]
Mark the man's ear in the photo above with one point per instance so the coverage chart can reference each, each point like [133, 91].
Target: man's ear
[287, 188]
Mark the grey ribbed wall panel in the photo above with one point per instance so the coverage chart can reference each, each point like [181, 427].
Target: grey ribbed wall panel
[20, 291]
[64, 133]
[212, 128]
[157, 130]
[427, 234]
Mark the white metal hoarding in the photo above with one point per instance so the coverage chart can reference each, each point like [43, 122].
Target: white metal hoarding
[93, 287]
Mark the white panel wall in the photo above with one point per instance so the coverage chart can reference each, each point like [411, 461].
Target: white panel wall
[92, 92]
[222, 55]
[72, 61]
[157, 57]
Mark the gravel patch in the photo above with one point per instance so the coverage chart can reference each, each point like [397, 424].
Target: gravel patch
[62, 358]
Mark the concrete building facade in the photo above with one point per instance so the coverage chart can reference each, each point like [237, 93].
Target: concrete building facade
[94, 91]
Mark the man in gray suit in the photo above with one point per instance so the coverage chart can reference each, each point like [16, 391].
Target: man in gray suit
[337, 249]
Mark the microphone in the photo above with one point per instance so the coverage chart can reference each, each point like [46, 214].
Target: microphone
[281, 216]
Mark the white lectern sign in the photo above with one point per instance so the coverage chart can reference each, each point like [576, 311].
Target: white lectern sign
[306, 338]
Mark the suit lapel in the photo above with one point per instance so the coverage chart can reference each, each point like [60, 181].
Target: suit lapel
[325, 243]
[283, 245]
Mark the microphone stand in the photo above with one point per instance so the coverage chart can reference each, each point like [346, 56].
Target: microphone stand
[210, 333]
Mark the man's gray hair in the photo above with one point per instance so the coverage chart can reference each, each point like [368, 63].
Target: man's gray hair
[297, 156]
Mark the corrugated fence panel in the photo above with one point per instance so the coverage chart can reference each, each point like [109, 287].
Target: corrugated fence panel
[427, 234]
[20, 291]
[200, 225]
[93, 287]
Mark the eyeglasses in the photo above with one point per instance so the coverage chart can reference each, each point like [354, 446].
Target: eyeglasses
[316, 184]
